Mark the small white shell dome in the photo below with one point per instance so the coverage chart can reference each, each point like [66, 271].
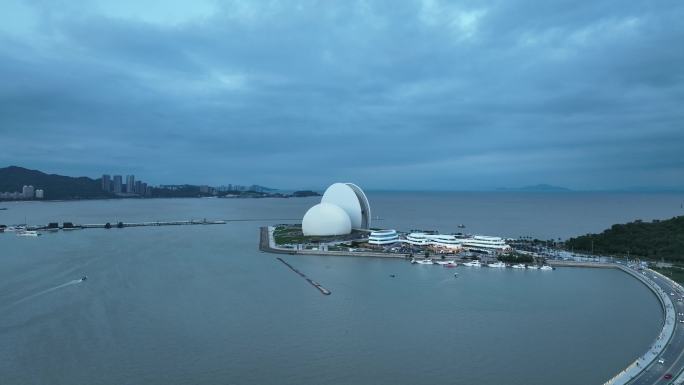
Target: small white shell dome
[326, 219]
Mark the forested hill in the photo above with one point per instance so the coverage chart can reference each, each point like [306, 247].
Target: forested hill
[13, 178]
[651, 240]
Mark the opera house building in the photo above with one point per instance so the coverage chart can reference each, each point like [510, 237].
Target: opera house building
[343, 207]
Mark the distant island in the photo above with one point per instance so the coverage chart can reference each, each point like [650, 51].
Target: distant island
[18, 183]
[660, 239]
[536, 188]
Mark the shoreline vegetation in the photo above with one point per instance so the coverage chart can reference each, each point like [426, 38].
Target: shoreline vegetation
[659, 240]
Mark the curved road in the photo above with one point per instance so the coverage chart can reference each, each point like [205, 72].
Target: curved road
[673, 354]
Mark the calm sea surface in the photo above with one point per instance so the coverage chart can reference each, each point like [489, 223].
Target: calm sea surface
[200, 304]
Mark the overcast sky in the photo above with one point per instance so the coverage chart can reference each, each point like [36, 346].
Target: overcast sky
[387, 94]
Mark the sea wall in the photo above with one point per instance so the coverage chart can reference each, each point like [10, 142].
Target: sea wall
[661, 342]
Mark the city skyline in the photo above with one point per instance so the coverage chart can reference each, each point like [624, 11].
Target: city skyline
[435, 94]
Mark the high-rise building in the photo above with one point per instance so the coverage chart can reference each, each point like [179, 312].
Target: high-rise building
[117, 184]
[40, 194]
[138, 187]
[130, 183]
[28, 192]
[106, 183]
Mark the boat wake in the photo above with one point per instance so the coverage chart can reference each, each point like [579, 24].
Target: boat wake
[50, 290]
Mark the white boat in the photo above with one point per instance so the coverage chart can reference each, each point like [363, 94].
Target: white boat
[445, 262]
[473, 264]
[546, 267]
[424, 262]
[15, 228]
[519, 266]
[533, 267]
[497, 264]
[27, 233]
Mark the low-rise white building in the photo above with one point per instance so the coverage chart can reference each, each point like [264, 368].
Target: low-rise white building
[383, 237]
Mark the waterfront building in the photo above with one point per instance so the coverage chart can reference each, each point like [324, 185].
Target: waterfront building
[28, 192]
[343, 207]
[40, 194]
[137, 187]
[477, 242]
[117, 184]
[383, 237]
[439, 240]
[130, 183]
[11, 195]
[482, 242]
[106, 183]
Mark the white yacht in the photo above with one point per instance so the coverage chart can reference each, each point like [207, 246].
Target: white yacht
[445, 262]
[519, 266]
[497, 264]
[533, 267]
[473, 264]
[546, 267]
[27, 233]
[424, 262]
[15, 228]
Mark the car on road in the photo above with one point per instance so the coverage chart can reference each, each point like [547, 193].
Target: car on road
[661, 361]
[668, 376]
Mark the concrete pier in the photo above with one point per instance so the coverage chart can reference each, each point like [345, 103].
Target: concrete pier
[114, 225]
[313, 283]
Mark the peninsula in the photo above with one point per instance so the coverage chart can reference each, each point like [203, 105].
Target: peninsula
[18, 183]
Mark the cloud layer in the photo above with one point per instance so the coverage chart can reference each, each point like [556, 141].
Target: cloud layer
[414, 94]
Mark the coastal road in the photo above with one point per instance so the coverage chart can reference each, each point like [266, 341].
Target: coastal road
[673, 354]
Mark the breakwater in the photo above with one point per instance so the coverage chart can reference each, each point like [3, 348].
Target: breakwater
[119, 225]
[309, 280]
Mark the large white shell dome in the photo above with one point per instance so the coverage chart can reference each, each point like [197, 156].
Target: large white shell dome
[352, 200]
[326, 219]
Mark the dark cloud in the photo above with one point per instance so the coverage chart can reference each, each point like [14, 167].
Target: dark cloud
[419, 94]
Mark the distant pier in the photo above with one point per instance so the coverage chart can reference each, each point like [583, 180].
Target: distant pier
[119, 225]
[156, 223]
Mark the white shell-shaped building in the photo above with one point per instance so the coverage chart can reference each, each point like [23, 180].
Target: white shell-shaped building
[325, 218]
[352, 200]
